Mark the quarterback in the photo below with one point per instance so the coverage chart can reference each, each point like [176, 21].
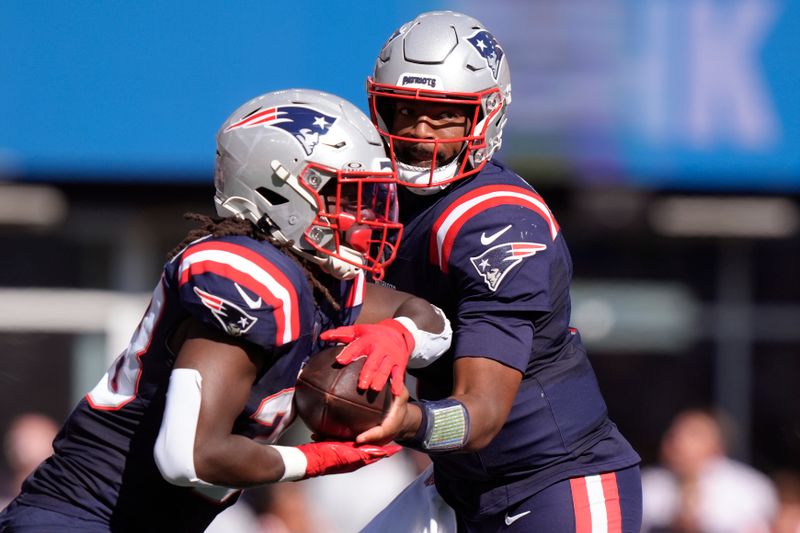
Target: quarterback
[512, 415]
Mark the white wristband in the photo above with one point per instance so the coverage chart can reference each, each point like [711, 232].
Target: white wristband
[428, 347]
[294, 463]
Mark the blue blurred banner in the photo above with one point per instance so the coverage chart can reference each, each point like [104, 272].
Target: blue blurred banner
[654, 93]
[659, 93]
[137, 90]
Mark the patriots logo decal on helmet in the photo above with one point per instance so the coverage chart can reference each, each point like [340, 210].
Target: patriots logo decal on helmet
[232, 317]
[489, 49]
[497, 261]
[305, 124]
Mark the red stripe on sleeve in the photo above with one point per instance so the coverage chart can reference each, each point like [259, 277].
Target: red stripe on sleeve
[455, 227]
[466, 198]
[249, 282]
[221, 269]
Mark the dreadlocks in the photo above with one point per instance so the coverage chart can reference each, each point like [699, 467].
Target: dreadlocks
[221, 227]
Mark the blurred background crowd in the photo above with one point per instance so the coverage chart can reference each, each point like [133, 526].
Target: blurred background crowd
[665, 136]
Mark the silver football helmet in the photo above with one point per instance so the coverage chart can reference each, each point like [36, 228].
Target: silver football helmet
[443, 56]
[308, 168]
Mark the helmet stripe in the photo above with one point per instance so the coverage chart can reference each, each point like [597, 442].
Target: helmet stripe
[255, 118]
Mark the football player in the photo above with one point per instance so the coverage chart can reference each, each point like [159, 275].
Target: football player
[512, 416]
[187, 415]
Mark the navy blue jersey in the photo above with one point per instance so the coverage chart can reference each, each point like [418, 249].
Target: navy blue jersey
[103, 467]
[489, 252]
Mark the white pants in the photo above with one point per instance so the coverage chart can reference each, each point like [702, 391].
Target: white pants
[418, 509]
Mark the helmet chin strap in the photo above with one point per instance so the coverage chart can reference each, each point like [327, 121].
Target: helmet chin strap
[418, 175]
[333, 265]
[341, 269]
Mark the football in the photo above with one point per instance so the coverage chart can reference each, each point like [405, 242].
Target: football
[328, 400]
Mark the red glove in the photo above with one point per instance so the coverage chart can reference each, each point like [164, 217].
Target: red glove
[339, 457]
[387, 345]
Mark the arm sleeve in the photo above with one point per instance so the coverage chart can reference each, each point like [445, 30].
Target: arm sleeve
[501, 266]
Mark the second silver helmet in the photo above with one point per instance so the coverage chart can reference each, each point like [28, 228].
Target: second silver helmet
[309, 169]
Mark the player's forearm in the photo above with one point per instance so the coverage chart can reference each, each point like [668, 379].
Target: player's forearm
[471, 417]
[486, 421]
[410, 424]
[194, 446]
[238, 462]
[423, 314]
[242, 463]
[459, 423]
[487, 390]
[381, 303]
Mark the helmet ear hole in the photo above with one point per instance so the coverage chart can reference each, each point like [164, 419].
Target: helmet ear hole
[272, 197]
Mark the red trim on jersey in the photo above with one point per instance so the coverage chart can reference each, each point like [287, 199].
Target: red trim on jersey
[248, 282]
[611, 494]
[483, 205]
[265, 400]
[139, 355]
[357, 289]
[583, 506]
[580, 504]
[226, 271]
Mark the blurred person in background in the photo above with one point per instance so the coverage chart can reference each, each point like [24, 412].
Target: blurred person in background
[28, 441]
[512, 416]
[697, 488]
[787, 518]
[187, 414]
[287, 508]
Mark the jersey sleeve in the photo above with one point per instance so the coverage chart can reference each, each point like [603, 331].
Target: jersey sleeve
[504, 337]
[500, 248]
[501, 258]
[235, 287]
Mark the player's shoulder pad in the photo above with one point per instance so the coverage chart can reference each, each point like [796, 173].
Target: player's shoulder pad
[488, 211]
[247, 287]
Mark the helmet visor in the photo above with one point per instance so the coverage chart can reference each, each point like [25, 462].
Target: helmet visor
[357, 212]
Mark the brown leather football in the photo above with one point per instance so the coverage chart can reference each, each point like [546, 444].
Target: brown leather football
[328, 400]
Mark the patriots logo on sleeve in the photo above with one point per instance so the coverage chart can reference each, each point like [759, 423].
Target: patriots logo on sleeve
[489, 49]
[497, 261]
[232, 317]
[306, 124]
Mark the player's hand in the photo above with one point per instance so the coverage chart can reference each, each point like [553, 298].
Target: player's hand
[338, 457]
[393, 424]
[387, 345]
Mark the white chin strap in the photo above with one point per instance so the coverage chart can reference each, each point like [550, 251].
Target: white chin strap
[342, 269]
[333, 265]
[419, 175]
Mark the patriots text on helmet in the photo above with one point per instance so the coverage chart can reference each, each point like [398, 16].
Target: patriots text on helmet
[418, 80]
